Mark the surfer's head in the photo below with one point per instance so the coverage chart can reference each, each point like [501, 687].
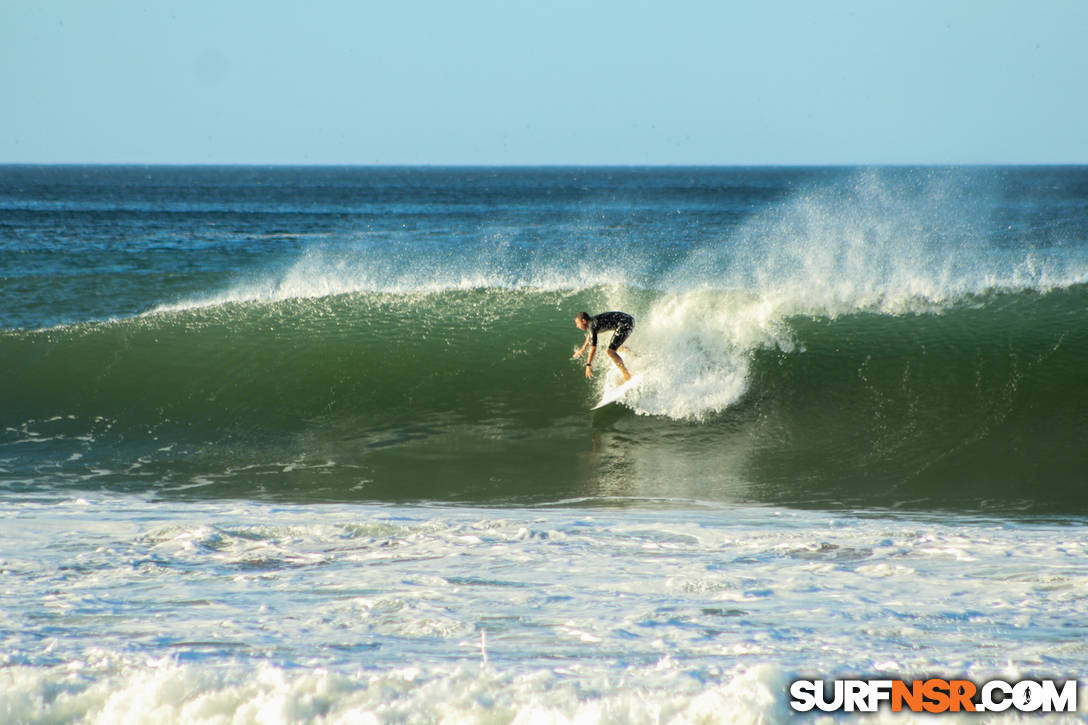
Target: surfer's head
[581, 320]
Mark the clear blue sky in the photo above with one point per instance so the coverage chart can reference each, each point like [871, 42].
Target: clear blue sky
[543, 82]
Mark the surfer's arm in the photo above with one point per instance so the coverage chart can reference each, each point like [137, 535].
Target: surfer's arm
[582, 350]
[589, 361]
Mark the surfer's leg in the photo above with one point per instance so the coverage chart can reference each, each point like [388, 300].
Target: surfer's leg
[619, 363]
[618, 338]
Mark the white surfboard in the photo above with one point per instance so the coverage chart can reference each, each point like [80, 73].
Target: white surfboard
[615, 394]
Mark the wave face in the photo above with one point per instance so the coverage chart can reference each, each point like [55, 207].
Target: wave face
[910, 338]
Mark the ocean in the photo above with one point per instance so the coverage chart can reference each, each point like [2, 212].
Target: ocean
[308, 444]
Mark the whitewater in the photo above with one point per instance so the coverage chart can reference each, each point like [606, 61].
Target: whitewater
[307, 445]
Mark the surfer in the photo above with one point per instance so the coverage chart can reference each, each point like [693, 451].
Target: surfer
[622, 324]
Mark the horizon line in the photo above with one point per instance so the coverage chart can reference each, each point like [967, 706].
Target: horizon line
[766, 165]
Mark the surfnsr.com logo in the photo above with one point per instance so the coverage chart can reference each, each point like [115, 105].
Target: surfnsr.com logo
[934, 695]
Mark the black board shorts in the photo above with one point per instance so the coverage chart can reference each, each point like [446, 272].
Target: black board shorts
[621, 334]
[621, 322]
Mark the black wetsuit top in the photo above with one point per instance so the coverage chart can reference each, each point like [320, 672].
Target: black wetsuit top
[621, 322]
